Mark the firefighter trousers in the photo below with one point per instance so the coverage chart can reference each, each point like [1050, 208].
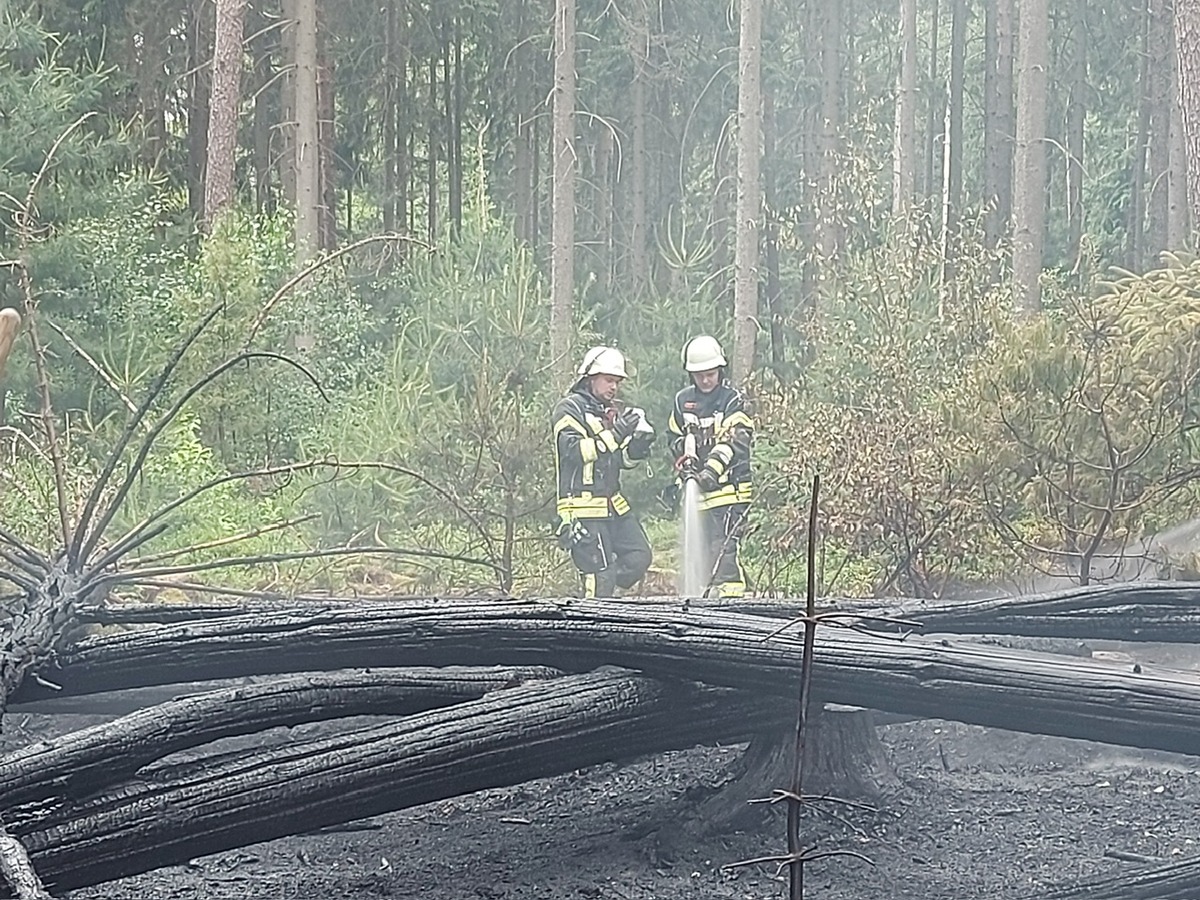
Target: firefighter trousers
[625, 554]
[723, 527]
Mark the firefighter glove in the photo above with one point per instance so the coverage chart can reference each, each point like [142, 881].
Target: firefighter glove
[640, 444]
[570, 533]
[625, 424]
[707, 480]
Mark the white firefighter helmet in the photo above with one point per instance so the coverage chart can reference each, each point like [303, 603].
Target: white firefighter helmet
[603, 361]
[702, 354]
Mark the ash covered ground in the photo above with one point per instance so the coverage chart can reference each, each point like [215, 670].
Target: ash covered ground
[980, 813]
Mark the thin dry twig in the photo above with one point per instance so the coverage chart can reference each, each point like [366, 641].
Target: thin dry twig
[261, 317]
[94, 366]
[247, 535]
[25, 217]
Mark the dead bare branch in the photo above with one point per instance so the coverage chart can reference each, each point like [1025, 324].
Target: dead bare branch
[94, 537]
[318, 264]
[156, 389]
[94, 366]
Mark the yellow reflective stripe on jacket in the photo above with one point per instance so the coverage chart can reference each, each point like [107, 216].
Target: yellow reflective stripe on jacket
[727, 496]
[591, 507]
[735, 419]
[569, 422]
[610, 440]
[732, 590]
[588, 449]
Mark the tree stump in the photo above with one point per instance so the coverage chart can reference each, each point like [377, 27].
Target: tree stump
[844, 759]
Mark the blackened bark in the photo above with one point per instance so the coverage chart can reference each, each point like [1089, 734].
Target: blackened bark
[958, 680]
[507, 737]
[83, 762]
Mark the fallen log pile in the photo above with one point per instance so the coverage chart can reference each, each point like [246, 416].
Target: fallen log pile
[84, 761]
[959, 680]
[113, 801]
[172, 813]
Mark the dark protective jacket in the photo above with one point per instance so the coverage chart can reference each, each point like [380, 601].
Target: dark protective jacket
[588, 458]
[724, 431]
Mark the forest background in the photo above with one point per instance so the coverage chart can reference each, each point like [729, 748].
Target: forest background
[947, 242]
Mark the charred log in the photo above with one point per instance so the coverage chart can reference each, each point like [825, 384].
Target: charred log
[1139, 611]
[1017, 690]
[504, 738]
[18, 872]
[79, 763]
[1177, 881]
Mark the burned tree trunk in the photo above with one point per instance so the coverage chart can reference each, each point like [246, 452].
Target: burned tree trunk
[510, 736]
[38, 622]
[970, 683]
[1166, 611]
[87, 760]
[17, 871]
[844, 760]
[1178, 881]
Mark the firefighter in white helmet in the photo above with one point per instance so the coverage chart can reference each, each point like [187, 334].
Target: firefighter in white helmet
[710, 435]
[595, 437]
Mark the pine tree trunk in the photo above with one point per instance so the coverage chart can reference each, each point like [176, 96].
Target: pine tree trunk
[999, 116]
[433, 153]
[953, 153]
[1029, 187]
[1187, 43]
[639, 267]
[152, 94]
[505, 738]
[749, 189]
[199, 30]
[308, 172]
[956, 678]
[287, 103]
[1135, 211]
[774, 295]
[326, 137]
[456, 132]
[933, 164]
[562, 252]
[1177, 207]
[904, 134]
[829, 16]
[223, 109]
[390, 78]
[1158, 90]
[400, 150]
[1076, 113]
[265, 46]
[843, 758]
[603, 205]
[525, 104]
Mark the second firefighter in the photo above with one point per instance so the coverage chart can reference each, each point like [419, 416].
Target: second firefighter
[710, 434]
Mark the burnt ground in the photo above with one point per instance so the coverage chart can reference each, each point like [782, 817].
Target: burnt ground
[980, 813]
